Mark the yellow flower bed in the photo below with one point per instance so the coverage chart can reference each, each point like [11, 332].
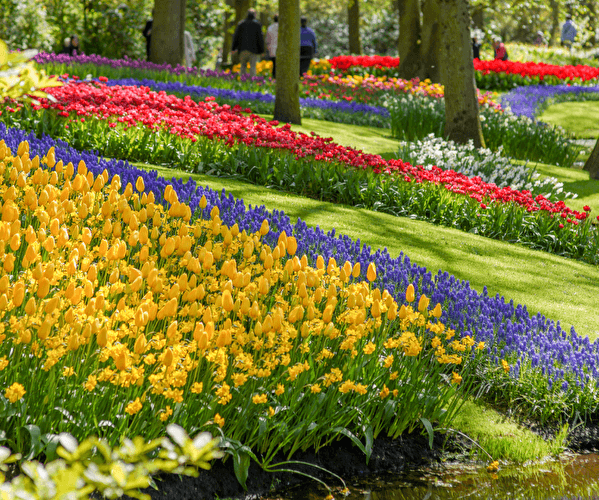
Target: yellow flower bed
[119, 314]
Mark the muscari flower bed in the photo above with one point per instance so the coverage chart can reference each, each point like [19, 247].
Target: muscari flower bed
[127, 311]
[276, 156]
[531, 101]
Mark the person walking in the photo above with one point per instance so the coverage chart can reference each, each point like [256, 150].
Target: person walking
[307, 46]
[568, 32]
[272, 39]
[190, 50]
[249, 42]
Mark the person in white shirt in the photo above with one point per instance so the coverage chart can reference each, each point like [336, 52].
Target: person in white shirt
[190, 50]
[272, 38]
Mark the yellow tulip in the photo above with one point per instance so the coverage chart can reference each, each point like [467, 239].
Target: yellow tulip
[139, 184]
[410, 296]
[18, 294]
[291, 245]
[392, 311]
[167, 358]
[437, 311]
[371, 272]
[140, 344]
[423, 303]
[30, 307]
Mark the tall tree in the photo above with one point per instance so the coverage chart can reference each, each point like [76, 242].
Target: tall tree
[287, 108]
[429, 42]
[462, 121]
[592, 164]
[409, 38]
[167, 44]
[353, 21]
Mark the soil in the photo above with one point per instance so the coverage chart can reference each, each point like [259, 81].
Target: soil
[345, 460]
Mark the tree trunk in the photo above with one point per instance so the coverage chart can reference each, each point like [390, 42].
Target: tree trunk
[287, 107]
[167, 45]
[409, 38]
[478, 17]
[555, 33]
[592, 164]
[462, 121]
[353, 20]
[241, 10]
[229, 27]
[429, 46]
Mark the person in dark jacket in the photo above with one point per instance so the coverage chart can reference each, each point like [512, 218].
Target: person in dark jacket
[307, 46]
[249, 42]
[475, 48]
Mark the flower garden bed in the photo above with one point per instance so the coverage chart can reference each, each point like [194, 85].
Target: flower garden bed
[157, 302]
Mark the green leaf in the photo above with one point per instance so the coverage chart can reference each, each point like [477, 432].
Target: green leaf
[36, 441]
[353, 437]
[429, 429]
[241, 465]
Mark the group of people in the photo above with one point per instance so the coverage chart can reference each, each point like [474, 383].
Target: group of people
[248, 41]
[499, 50]
[569, 32]
[71, 46]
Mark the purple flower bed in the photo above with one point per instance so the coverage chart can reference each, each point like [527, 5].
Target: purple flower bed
[241, 95]
[507, 329]
[45, 58]
[529, 101]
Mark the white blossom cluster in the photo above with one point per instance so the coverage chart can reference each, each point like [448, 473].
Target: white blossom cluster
[490, 166]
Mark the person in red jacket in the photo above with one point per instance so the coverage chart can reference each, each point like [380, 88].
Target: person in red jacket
[249, 41]
[500, 51]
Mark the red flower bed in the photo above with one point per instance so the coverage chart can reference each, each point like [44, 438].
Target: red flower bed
[525, 69]
[346, 62]
[134, 106]
[540, 70]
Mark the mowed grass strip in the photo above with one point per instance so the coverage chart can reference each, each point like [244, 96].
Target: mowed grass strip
[563, 289]
[581, 118]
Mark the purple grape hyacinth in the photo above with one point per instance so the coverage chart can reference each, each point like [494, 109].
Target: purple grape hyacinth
[529, 100]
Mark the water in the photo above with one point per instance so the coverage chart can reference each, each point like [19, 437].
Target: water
[568, 477]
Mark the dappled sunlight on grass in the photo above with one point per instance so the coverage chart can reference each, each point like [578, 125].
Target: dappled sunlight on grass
[581, 118]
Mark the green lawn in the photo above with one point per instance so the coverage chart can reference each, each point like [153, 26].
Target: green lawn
[582, 118]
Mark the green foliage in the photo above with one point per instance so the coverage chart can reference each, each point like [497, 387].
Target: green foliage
[93, 466]
[114, 29]
[521, 138]
[205, 19]
[23, 24]
[19, 79]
